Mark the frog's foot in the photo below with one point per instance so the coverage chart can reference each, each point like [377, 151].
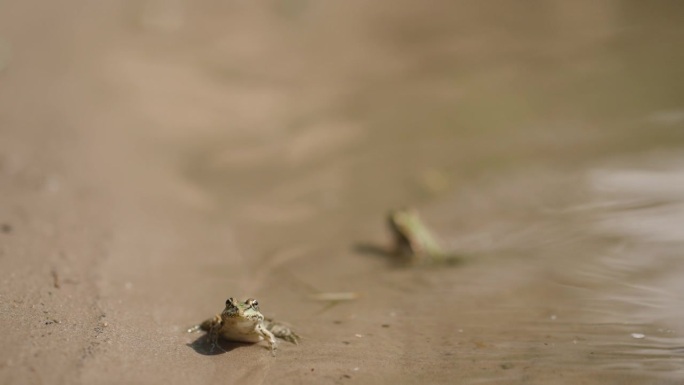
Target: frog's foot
[195, 329]
[282, 331]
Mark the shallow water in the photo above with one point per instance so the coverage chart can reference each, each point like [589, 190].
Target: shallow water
[544, 143]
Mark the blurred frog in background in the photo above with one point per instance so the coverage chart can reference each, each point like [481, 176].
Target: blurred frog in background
[413, 241]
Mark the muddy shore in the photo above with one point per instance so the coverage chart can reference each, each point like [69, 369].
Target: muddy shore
[157, 157]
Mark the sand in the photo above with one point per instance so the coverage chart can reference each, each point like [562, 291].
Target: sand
[157, 157]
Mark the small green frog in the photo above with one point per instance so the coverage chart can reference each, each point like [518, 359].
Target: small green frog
[414, 241]
[243, 322]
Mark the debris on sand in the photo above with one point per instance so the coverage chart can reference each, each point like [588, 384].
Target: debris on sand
[335, 296]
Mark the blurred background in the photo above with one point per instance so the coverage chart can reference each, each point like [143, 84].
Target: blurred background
[160, 156]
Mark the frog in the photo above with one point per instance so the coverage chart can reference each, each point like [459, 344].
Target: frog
[413, 241]
[242, 321]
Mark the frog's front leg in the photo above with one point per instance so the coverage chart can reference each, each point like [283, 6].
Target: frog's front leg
[206, 325]
[268, 336]
[213, 327]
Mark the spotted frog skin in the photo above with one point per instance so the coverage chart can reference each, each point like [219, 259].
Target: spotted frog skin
[243, 322]
[414, 241]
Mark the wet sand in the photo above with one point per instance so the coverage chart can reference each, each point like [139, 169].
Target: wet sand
[158, 157]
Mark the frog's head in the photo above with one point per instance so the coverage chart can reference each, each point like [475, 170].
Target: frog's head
[409, 233]
[403, 219]
[236, 308]
[402, 222]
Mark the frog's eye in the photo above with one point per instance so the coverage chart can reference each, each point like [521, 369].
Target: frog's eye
[229, 301]
[252, 303]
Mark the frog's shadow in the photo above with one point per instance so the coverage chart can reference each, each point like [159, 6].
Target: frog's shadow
[380, 252]
[397, 261]
[203, 346]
